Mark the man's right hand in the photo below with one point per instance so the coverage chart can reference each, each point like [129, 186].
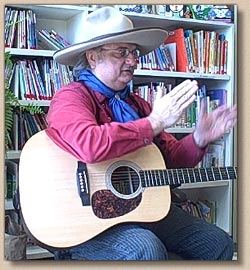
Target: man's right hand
[168, 108]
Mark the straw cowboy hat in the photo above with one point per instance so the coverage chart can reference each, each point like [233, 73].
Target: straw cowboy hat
[108, 25]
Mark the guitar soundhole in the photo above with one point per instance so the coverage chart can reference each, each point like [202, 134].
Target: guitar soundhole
[125, 181]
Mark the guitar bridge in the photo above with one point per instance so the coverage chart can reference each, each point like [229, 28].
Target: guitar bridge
[83, 183]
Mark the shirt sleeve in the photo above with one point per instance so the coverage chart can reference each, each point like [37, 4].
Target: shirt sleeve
[183, 153]
[73, 126]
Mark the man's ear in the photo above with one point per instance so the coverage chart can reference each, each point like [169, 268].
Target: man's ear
[91, 56]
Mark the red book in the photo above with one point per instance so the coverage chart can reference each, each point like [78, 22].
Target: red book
[177, 36]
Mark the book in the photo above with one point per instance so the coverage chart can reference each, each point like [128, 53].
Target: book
[216, 97]
[169, 52]
[199, 45]
[215, 156]
[45, 42]
[177, 36]
[208, 210]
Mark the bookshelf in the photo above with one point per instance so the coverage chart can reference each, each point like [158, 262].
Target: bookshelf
[64, 18]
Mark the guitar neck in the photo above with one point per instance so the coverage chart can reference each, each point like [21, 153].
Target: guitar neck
[152, 178]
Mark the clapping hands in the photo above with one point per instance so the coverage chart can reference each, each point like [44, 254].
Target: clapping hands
[211, 126]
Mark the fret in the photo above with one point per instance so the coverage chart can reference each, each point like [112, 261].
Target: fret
[160, 177]
[210, 175]
[156, 179]
[151, 178]
[175, 176]
[232, 172]
[180, 176]
[191, 175]
[165, 177]
[203, 173]
[170, 177]
[186, 176]
[147, 179]
[216, 172]
[224, 174]
[197, 175]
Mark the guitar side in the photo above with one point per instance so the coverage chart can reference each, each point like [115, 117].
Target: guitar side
[49, 199]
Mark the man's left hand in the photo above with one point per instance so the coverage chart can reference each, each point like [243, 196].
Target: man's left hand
[211, 126]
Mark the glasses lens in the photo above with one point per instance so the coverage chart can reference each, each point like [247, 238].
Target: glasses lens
[136, 53]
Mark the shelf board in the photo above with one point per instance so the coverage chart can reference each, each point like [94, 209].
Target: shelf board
[42, 103]
[205, 184]
[8, 204]
[30, 52]
[162, 73]
[55, 12]
[12, 154]
[179, 130]
[36, 252]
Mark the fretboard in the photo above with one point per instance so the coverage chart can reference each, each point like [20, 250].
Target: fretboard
[150, 178]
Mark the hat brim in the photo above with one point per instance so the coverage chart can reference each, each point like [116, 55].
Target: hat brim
[147, 39]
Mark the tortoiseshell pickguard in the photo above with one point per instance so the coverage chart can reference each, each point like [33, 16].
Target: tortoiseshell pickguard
[106, 205]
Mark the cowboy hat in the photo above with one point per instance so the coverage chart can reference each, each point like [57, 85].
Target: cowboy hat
[108, 25]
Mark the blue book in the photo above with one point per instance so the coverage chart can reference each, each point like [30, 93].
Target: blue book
[218, 95]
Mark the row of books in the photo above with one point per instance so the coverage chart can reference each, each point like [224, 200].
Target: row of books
[39, 80]
[51, 40]
[21, 32]
[213, 99]
[25, 125]
[162, 58]
[204, 209]
[200, 51]
[20, 29]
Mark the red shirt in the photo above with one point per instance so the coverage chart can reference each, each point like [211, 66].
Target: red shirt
[80, 122]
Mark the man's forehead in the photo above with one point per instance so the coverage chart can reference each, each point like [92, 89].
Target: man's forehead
[120, 45]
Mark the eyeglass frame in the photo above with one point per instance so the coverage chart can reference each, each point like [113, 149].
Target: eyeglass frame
[135, 53]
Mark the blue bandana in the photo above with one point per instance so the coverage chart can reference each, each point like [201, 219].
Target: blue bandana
[121, 110]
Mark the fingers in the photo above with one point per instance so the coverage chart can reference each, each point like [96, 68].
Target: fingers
[184, 90]
[203, 108]
[159, 92]
[226, 116]
[188, 102]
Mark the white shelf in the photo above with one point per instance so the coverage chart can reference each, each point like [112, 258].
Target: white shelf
[30, 52]
[36, 252]
[8, 204]
[205, 184]
[55, 12]
[12, 154]
[159, 73]
[42, 103]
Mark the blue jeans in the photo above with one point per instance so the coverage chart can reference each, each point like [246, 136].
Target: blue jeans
[179, 233]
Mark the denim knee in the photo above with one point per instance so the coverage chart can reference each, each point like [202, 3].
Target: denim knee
[124, 242]
[147, 246]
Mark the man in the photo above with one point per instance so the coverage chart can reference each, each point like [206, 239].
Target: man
[97, 118]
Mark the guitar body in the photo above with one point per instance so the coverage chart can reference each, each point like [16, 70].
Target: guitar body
[52, 208]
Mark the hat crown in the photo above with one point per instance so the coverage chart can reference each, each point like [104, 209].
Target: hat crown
[104, 21]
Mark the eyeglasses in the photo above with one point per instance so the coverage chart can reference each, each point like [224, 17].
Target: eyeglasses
[124, 52]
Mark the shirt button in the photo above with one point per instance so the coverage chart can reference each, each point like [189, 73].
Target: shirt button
[146, 140]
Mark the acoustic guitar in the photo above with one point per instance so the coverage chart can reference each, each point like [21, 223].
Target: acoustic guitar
[65, 202]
